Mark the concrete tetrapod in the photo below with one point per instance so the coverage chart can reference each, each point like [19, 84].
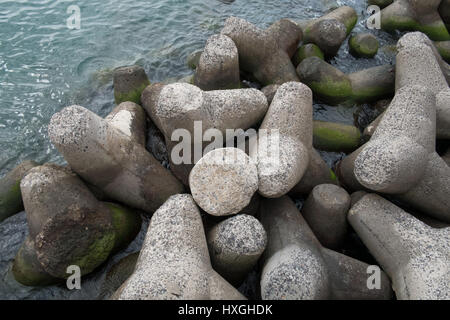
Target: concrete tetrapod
[332, 86]
[184, 113]
[329, 31]
[400, 159]
[130, 118]
[108, 159]
[10, 196]
[318, 172]
[414, 255]
[235, 245]
[413, 15]
[285, 140]
[129, 82]
[264, 53]
[418, 64]
[174, 262]
[218, 67]
[297, 267]
[224, 181]
[325, 210]
[67, 226]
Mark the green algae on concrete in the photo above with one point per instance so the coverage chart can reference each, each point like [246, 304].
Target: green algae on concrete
[328, 83]
[28, 271]
[127, 224]
[436, 30]
[306, 51]
[335, 137]
[129, 82]
[363, 45]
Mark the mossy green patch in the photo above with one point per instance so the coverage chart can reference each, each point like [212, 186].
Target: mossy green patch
[27, 271]
[331, 90]
[133, 95]
[11, 201]
[335, 137]
[97, 253]
[363, 46]
[350, 23]
[333, 176]
[306, 51]
[435, 31]
[127, 225]
[371, 94]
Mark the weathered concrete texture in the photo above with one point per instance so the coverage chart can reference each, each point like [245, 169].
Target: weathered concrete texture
[235, 245]
[415, 256]
[395, 158]
[325, 210]
[327, 34]
[356, 196]
[328, 83]
[288, 35]
[430, 194]
[418, 62]
[335, 137]
[129, 82]
[329, 31]
[413, 15]
[285, 140]
[180, 104]
[345, 171]
[318, 172]
[174, 262]
[306, 51]
[297, 267]
[117, 275]
[262, 53]
[218, 67]
[130, 118]
[373, 84]
[332, 86]
[149, 98]
[67, 226]
[10, 196]
[370, 129]
[443, 47]
[270, 91]
[413, 39]
[27, 270]
[443, 114]
[193, 59]
[364, 45]
[224, 181]
[108, 159]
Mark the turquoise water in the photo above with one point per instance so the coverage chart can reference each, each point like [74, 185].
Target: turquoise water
[44, 66]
